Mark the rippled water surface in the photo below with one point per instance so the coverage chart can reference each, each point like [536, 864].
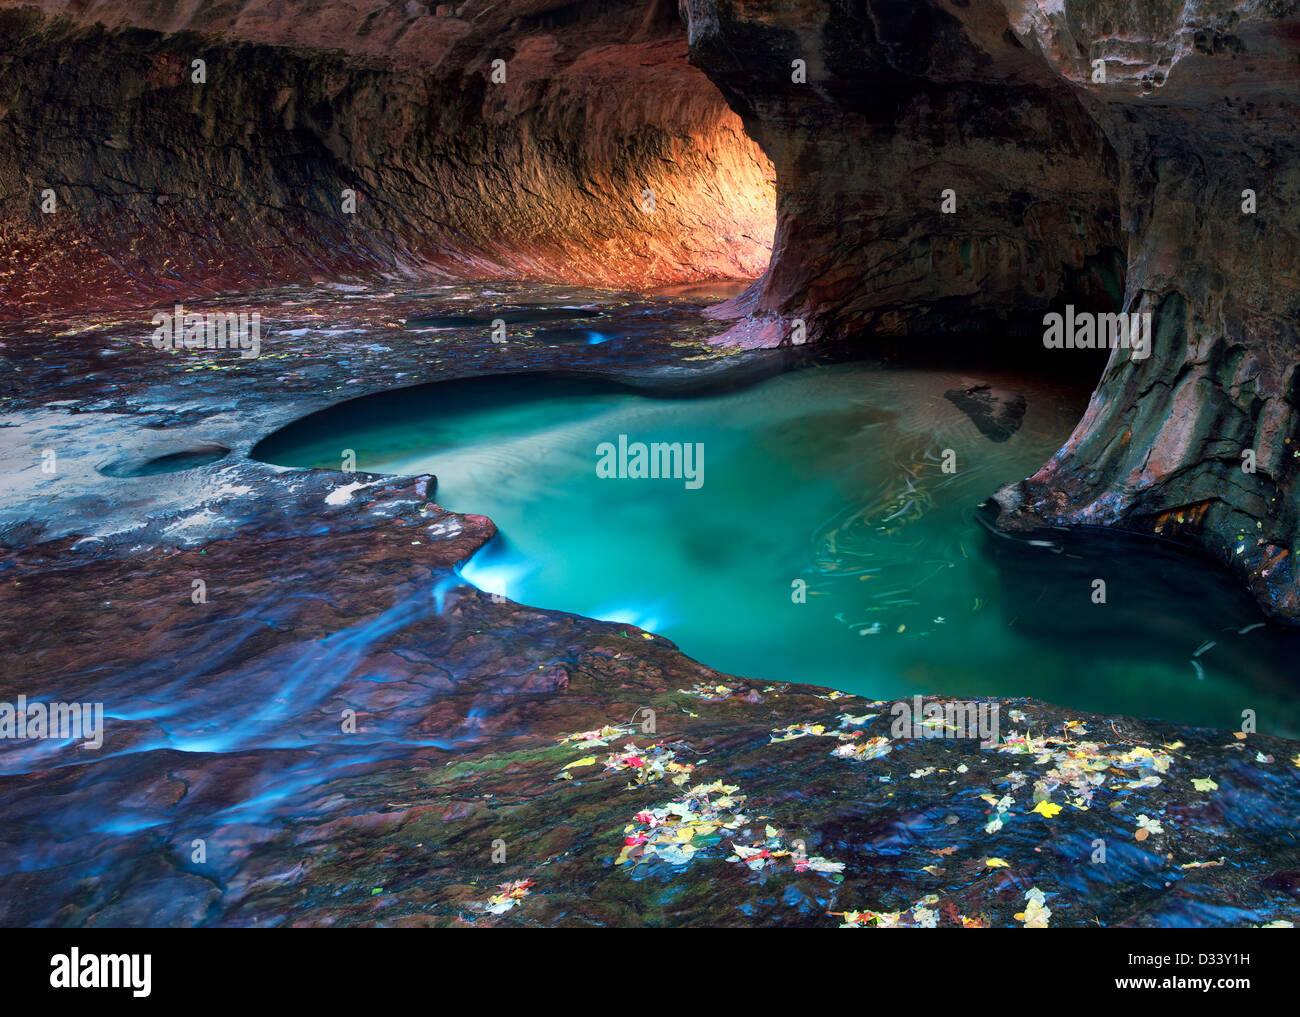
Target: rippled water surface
[827, 480]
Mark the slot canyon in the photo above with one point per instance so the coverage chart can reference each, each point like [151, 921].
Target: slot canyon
[523, 462]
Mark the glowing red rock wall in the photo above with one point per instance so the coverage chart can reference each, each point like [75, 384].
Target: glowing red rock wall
[166, 186]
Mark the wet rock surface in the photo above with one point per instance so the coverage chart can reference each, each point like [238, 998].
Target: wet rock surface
[342, 731]
[311, 719]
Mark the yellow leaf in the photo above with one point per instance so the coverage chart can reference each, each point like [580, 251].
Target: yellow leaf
[1204, 784]
[584, 761]
[1046, 809]
[997, 863]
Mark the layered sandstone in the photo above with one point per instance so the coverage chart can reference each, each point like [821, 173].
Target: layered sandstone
[943, 168]
[1198, 442]
[905, 105]
[538, 167]
[1053, 164]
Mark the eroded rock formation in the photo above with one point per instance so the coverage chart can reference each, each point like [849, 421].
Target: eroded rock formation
[165, 186]
[1004, 103]
[902, 103]
[1200, 103]
[331, 598]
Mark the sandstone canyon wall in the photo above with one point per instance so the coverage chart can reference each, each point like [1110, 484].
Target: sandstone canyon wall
[1200, 441]
[903, 102]
[169, 187]
[1054, 162]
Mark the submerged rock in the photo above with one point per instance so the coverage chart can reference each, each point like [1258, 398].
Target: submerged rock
[997, 412]
[312, 719]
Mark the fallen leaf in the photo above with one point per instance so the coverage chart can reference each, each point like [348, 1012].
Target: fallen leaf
[584, 761]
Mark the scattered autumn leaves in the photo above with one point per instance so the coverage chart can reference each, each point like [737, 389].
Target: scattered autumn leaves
[1057, 774]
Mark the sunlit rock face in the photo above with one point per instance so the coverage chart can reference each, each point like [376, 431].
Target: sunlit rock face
[904, 101]
[164, 185]
[1200, 104]
[1003, 102]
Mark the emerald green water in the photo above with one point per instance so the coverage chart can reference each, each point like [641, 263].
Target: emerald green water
[831, 476]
